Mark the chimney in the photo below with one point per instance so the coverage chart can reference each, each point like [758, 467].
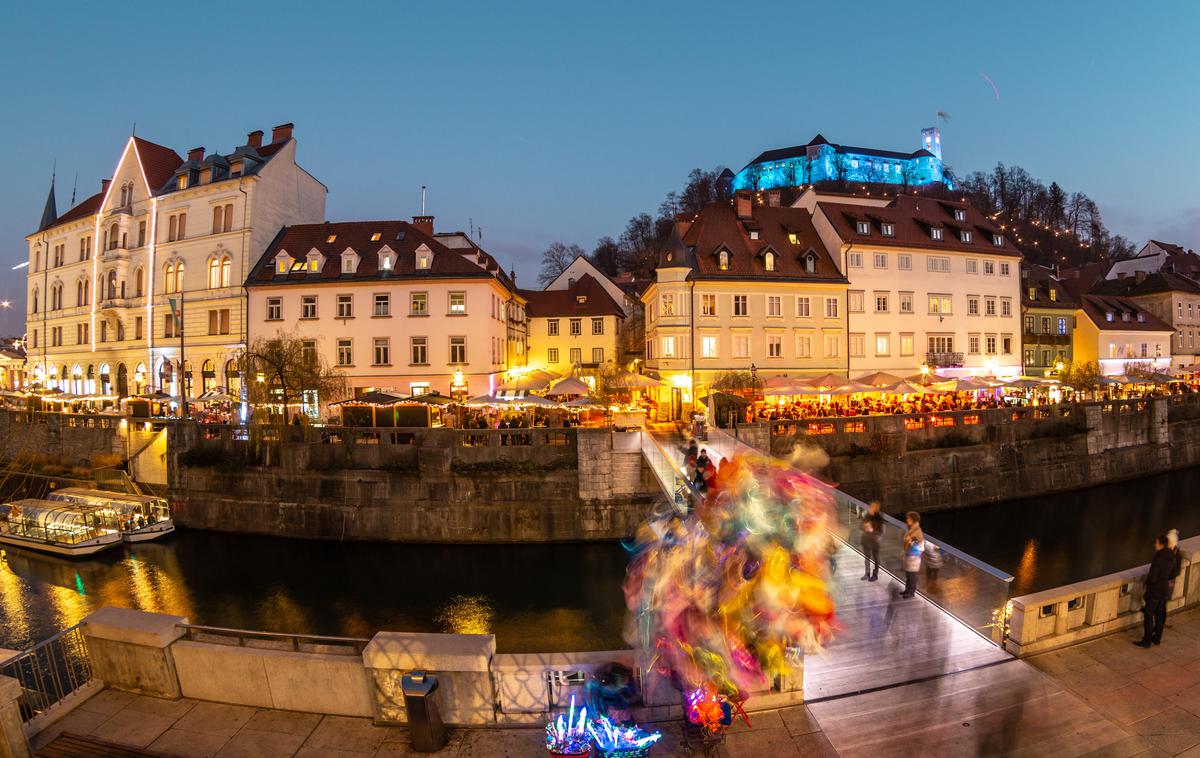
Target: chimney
[282, 133]
[683, 222]
[196, 154]
[512, 273]
[254, 138]
[1140, 276]
[773, 198]
[104, 186]
[423, 224]
[743, 202]
[1121, 274]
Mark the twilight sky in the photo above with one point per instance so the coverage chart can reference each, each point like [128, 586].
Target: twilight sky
[558, 121]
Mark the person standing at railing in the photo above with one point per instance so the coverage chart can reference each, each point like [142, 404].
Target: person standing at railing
[1157, 592]
[872, 534]
[914, 543]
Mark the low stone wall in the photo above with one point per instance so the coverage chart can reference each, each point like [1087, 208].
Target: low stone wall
[1077, 612]
[334, 676]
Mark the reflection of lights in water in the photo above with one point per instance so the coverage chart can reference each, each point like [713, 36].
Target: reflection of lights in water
[1027, 568]
[79, 584]
[15, 604]
[467, 614]
[69, 605]
[280, 613]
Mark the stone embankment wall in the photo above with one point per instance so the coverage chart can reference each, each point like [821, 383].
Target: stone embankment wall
[941, 461]
[427, 485]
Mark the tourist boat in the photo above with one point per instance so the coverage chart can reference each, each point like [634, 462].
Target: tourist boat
[58, 527]
[151, 512]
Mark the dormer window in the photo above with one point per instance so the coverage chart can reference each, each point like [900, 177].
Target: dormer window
[387, 258]
[769, 261]
[1053, 295]
[1125, 315]
[1033, 293]
[793, 238]
[753, 234]
[863, 227]
[723, 260]
[349, 262]
[181, 182]
[965, 236]
[998, 240]
[283, 263]
[960, 214]
[937, 233]
[1108, 316]
[810, 263]
[313, 262]
[1141, 318]
[235, 168]
[888, 230]
[581, 299]
[424, 258]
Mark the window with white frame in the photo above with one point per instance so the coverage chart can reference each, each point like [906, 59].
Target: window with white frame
[1004, 270]
[857, 344]
[939, 305]
[576, 356]
[418, 304]
[906, 343]
[458, 350]
[972, 266]
[708, 346]
[989, 268]
[552, 327]
[458, 303]
[973, 344]
[832, 343]
[854, 301]
[552, 355]
[990, 342]
[972, 305]
[883, 345]
[1005, 307]
[708, 305]
[668, 346]
[904, 261]
[383, 351]
[774, 346]
[803, 307]
[345, 352]
[881, 302]
[345, 306]
[831, 307]
[854, 260]
[274, 309]
[880, 260]
[1006, 344]
[741, 305]
[774, 305]
[597, 326]
[418, 351]
[741, 346]
[989, 306]
[597, 355]
[383, 305]
[938, 264]
[576, 327]
[308, 306]
[906, 302]
[803, 346]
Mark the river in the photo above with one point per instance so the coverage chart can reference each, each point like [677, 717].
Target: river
[532, 597]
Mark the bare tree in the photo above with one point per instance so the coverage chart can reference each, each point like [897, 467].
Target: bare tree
[606, 256]
[555, 260]
[284, 369]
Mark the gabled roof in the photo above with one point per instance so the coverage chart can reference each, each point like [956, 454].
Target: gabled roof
[399, 236]
[50, 211]
[596, 300]
[717, 228]
[914, 218]
[1147, 284]
[1096, 308]
[1042, 282]
[1170, 247]
[158, 162]
[83, 209]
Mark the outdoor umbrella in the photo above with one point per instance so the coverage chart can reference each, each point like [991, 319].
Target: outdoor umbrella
[789, 389]
[779, 381]
[432, 398]
[483, 400]
[1025, 383]
[879, 379]
[851, 388]
[583, 402]
[532, 382]
[370, 398]
[569, 386]
[826, 380]
[541, 402]
[635, 381]
[908, 388]
[1116, 379]
[964, 384]
[725, 397]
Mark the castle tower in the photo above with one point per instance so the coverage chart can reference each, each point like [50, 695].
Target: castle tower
[931, 140]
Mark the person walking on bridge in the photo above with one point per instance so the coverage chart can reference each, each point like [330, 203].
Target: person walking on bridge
[914, 543]
[872, 532]
[1157, 592]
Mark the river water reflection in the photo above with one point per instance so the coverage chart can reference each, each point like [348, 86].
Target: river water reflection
[532, 597]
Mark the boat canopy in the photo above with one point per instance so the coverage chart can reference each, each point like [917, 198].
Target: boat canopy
[122, 502]
[56, 521]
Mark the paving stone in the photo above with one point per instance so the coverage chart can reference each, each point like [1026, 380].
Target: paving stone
[776, 743]
[1093, 680]
[1167, 678]
[180, 743]
[799, 720]
[107, 701]
[172, 709]
[284, 722]
[506, 743]
[78, 721]
[261, 744]
[1128, 704]
[132, 728]
[1134, 745]
[347, 734]
[814, 745]
[1173, 730]
[216, 718]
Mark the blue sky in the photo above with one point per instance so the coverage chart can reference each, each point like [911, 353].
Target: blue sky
[559, 121]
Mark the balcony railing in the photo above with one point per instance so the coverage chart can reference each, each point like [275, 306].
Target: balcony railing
[944, 359]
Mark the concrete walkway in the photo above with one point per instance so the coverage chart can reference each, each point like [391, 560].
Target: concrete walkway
[1101, 698]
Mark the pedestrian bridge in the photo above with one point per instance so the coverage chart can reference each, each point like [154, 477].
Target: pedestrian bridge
[953, 625]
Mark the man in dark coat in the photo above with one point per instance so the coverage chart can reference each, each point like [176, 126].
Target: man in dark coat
[1158, 591]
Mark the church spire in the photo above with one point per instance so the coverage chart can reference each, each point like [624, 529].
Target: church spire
[50, 212]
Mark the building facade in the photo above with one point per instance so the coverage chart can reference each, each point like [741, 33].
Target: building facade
[744, 287]
[931, 283]
[139, 286]
[391, 305]
[1168, 296]
[1118, 334]
[576, 329]
[1048, 314]
[1155, 257]
[822, 161]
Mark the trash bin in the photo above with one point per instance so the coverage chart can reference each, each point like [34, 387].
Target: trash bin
[425, 727]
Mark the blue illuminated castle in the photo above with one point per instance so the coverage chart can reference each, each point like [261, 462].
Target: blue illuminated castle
[822, 161]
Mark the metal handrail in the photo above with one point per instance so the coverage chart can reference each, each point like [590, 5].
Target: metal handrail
[191, 631]
[50, 671]
[689, 486]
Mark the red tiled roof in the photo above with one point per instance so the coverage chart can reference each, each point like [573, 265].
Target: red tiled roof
[597, 301]
[717, 228]
[914, 217]
[402, 237]
[1043, 282]
[1096, 308]
[158, 162]
[83, 209]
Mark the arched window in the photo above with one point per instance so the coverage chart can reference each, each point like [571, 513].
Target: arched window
[214, 271]
[174, 277]
[79, 293]
[228, 218]
[723, 260]
[218, 219]
[226, 271]
[231, 377]
[112, 237]
[35, 299]
[169, 278]
[112, 284]
[179, 276]
[208, 376]
[769, 261]
[810, 263]
[139, 282]
[87, 291]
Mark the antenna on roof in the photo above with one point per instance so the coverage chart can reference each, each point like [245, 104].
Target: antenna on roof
[73, 188]
[133, 132]
[422, 199]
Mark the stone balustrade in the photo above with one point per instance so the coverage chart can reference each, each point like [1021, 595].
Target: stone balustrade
[1076, 612]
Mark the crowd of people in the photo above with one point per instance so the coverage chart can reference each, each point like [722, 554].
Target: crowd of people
[876, 406]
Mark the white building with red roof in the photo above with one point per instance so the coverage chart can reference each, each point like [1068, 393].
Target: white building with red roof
[140, 285]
